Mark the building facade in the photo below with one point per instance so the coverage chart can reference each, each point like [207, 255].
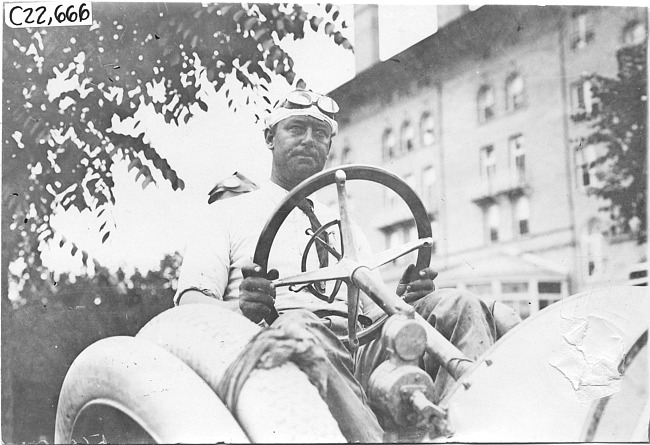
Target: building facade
[477, 119]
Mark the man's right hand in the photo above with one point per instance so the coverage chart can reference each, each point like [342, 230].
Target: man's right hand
[257, 294]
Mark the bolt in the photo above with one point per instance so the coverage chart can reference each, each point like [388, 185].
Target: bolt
[488, 362]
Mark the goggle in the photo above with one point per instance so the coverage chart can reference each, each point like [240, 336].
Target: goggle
[305, 99]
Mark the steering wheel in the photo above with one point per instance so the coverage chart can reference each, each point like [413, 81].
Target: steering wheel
[347, 260]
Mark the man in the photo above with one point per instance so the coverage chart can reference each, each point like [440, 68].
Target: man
[218, 270]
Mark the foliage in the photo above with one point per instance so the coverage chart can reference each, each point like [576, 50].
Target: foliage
[619, 123]
[65, 87]
[47, 334]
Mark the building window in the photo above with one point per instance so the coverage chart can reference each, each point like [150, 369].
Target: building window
[581, 30]
[409, 178]
[488, 162]
[331, 159]
[393, 238]
[428, 185]
[586, 166]
[594, 241]
[549, 287]
[407, 136]
[435, 231]
[481, 289]
[410, 234]
[398, 236]
[549, 293]
[390, 198]
[515, 92]
[346, 155]
[389, 144]
[493, 220]
[546, 302]
[518, 156]
[582, 98]
[485, 102]
[514, 288]
[522, 215]
[427, 129]
[522, 307]
[634, 33]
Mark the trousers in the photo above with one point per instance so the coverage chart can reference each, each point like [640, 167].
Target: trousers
[461, 317]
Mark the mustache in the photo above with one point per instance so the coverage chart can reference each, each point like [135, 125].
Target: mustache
[305, 151]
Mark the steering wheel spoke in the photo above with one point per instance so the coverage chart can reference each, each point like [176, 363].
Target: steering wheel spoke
[339, 271]
[353, 312]
[349, 247]
[389, 255]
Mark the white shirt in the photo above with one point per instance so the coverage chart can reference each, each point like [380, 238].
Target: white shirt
[213, 263]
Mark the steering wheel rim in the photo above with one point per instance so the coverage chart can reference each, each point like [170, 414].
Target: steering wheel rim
[327, 177]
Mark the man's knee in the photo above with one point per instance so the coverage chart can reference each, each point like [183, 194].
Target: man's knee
[302, 316]
[465, 301]
[454, 301]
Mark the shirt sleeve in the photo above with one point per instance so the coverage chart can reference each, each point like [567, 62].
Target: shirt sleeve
[206, 262]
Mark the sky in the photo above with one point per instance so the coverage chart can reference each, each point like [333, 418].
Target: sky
[152, 222]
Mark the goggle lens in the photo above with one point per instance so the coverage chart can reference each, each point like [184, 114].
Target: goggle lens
[305, 99]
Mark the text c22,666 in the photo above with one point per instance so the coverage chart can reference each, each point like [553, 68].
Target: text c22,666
[41, 14]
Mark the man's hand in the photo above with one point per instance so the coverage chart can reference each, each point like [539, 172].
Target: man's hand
[415, 285]
[257, 294]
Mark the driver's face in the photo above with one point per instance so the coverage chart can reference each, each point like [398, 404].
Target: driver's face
[300, 146]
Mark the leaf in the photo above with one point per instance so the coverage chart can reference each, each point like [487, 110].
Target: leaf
[135, 163]
[105, 237]
[314, 22]
[203, 105]
[290, 76]
[268, 43]
[249, 23]
[259, 33]
[238, 15]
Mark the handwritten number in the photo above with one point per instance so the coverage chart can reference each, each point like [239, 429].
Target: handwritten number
[60, 16]
[70, 14]
[83, 9]
[29, 14]
[22, 16]
[41, 20]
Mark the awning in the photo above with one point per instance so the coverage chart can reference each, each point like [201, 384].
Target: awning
[502, 266]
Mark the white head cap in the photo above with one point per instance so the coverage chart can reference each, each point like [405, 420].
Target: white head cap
[305, 103]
